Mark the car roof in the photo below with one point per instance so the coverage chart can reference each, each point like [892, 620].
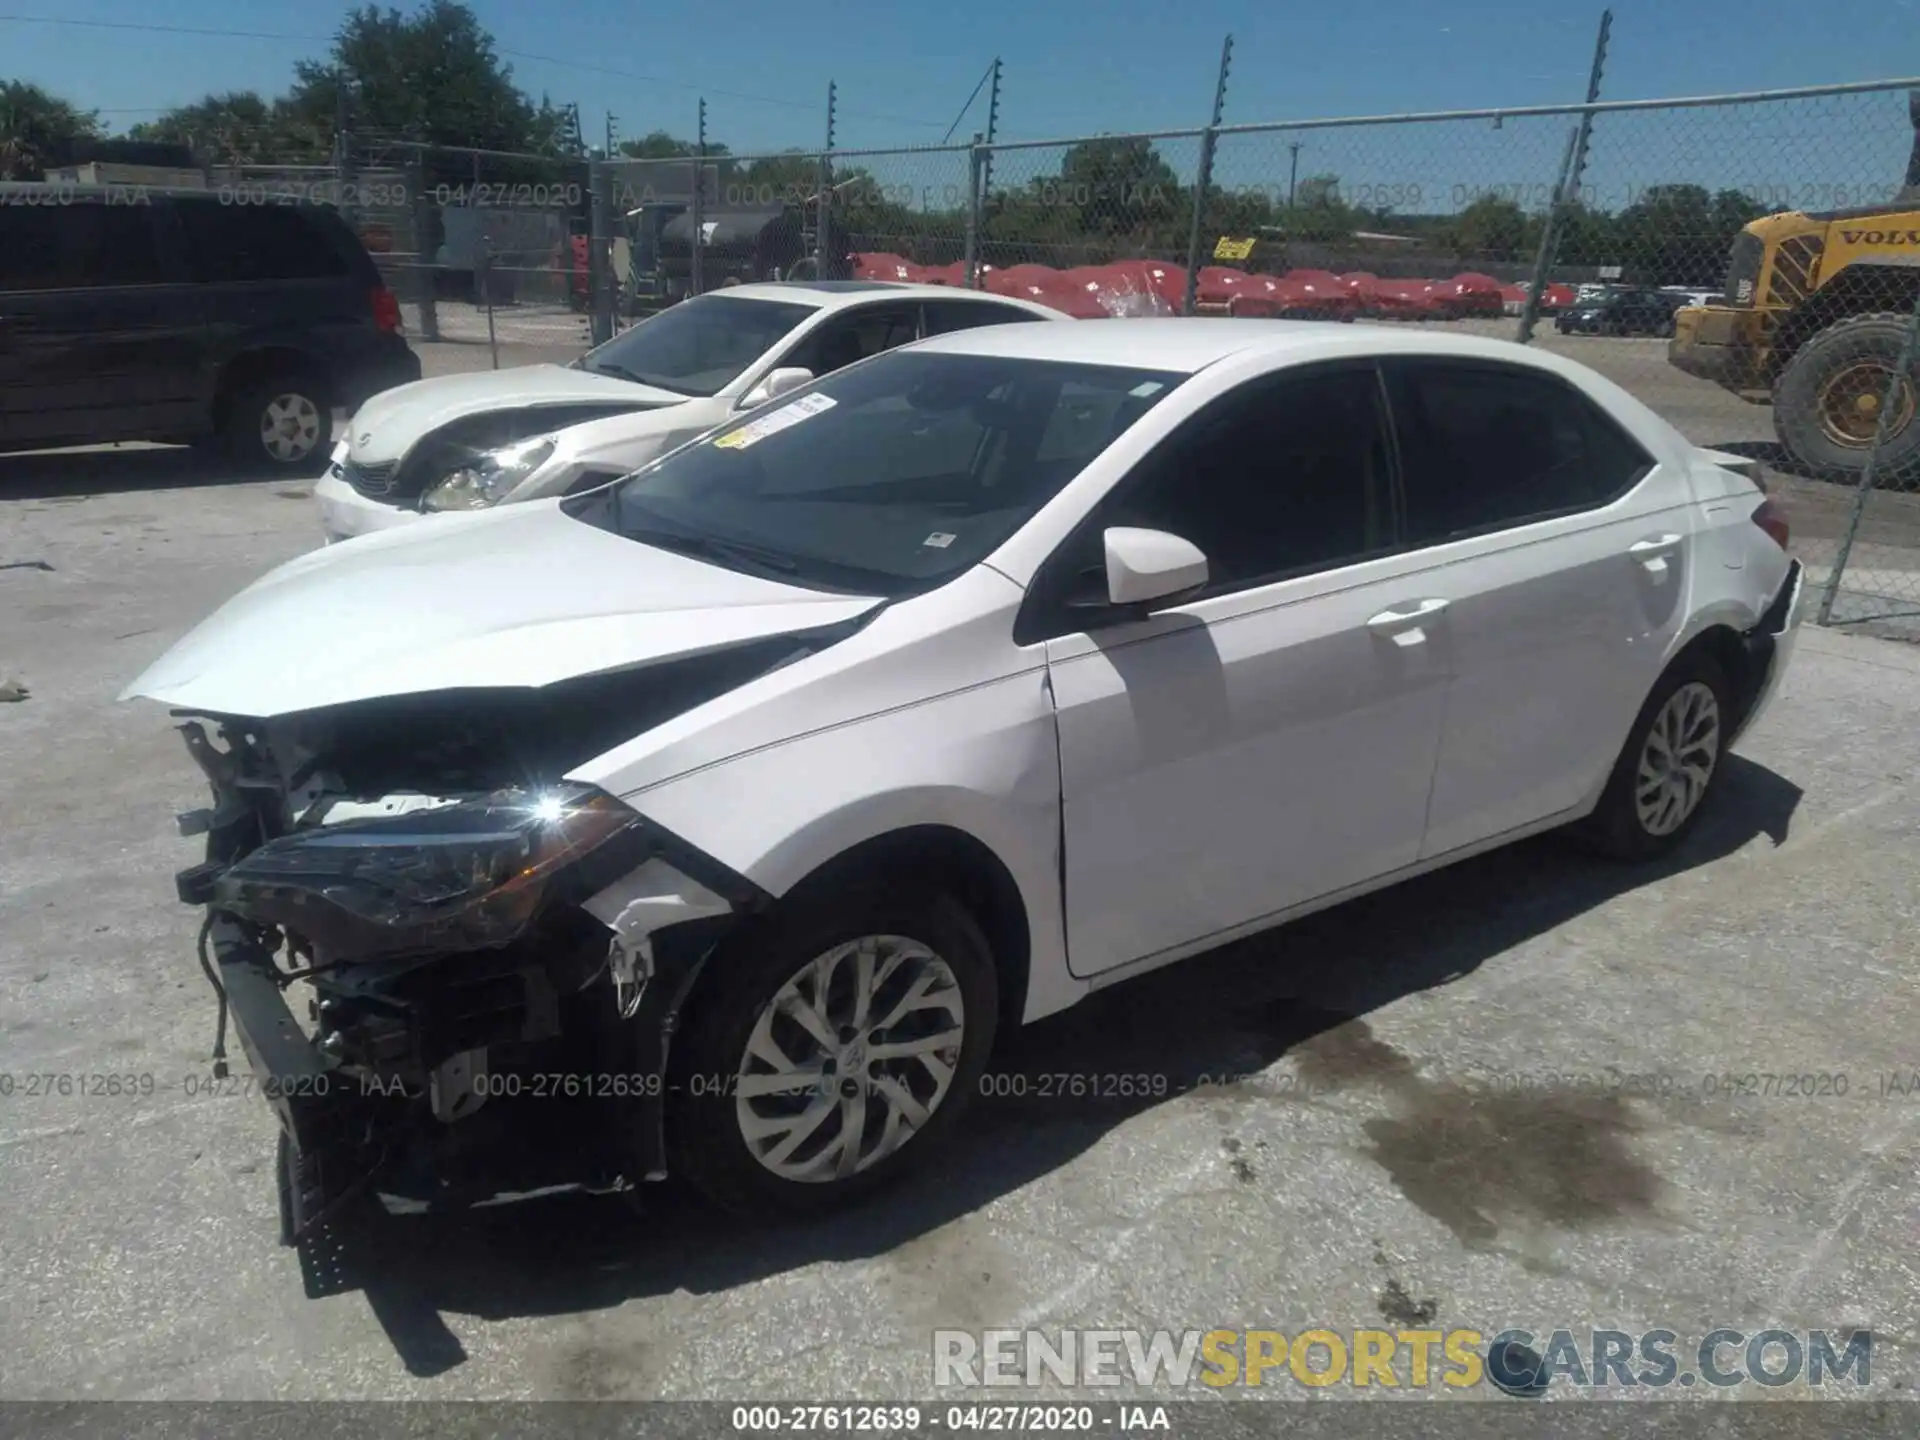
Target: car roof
[838, 294]
[1184, 345]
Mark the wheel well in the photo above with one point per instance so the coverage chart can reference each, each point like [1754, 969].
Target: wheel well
[1856, 290]
[1729, 650]
[250, 367]
[966, 869]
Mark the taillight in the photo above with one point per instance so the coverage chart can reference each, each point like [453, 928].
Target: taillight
[1769, 519]
[386, 310]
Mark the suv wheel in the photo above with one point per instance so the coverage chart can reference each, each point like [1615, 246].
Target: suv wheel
[283, 424]
[1672, 757]
[835, 1051]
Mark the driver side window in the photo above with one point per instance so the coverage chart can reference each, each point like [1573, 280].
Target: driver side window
[1285, 475]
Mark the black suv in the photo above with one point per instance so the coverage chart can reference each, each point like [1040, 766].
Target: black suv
[129, 313]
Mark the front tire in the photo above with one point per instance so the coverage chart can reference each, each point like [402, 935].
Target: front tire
[1828, 398]
[1666, 770]
[833, 1050]
[283, 424]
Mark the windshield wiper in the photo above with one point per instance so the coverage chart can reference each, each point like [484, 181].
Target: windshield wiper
[711, 546]
[621, 372]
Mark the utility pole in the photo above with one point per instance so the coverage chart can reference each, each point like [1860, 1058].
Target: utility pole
[613, 133]
[1293, 171]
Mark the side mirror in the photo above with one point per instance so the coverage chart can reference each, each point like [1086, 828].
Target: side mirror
[777, 383]
[1147, 565]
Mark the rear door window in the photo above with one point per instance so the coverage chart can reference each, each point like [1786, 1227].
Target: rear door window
[81, 246]
[946, 316]
[1487, 446]
[227, 244]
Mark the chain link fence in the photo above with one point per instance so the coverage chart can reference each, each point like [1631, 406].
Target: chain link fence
[1747, 265]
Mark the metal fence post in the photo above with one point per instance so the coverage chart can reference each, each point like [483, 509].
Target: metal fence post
[1889, 404]
[824, 206]
[696, 278]
[1203, 180]
[486, 294]
[976, 175]
[1549, 239]
[1573, 168]
[600, 252]
[423, 218]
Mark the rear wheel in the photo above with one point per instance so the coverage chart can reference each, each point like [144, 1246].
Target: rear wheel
[835, 1050]
[1671, 759]
[1828, 401]
[284, 424]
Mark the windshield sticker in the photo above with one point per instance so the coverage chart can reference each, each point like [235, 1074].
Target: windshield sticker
[939, 540]
[754, 431]
[1150, 387]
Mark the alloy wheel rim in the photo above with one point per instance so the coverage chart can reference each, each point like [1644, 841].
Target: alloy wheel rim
[290, 427]
[850, 1060]
[1678, 759]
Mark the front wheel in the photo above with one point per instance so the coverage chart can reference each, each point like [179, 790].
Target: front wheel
[1672, 757]
[832, 1051]
[283, 425]
[1828, 402]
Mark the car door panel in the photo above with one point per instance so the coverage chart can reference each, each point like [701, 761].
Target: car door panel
[1253, 748]
[1558, 634]
[1234, 758]
[1558, 625]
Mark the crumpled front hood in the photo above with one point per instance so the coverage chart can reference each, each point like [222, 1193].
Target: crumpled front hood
[521, 596]
[392, 422]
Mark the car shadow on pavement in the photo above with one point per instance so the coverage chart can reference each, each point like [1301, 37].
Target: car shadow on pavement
[1301, 989]
[73, 474]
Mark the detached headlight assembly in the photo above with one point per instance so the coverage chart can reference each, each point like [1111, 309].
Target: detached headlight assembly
[464, 876]
[490, 477]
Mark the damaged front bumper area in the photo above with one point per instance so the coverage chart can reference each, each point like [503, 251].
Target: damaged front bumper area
[488, 981]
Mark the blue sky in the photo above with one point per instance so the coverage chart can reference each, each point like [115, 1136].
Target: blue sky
[905, 69]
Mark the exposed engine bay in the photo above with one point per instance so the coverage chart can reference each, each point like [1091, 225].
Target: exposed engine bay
[453, 972]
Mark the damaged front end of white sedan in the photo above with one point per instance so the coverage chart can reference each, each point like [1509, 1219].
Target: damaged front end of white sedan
[452, 969]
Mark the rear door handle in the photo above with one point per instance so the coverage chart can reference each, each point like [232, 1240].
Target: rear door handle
[1407, 626]
[1653, 551]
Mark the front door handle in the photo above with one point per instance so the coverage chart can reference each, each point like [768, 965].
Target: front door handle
[1407, 626]
[1653, 551]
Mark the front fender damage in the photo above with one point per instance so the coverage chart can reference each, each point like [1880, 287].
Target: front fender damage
[454, 1062]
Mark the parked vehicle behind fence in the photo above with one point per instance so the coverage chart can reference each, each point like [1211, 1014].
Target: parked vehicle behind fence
[180, 316]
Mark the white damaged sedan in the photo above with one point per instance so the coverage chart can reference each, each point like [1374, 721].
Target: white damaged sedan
[496, 437]
[742, 802]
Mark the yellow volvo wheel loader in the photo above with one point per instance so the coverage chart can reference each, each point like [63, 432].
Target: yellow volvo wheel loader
[1813, 322]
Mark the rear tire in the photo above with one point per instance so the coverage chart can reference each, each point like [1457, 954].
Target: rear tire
[1666, 771]
[283, 424]
[1812, 420]
[893, 1112]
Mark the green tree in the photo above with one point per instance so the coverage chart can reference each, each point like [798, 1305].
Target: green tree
[1679, 234]
[1492, 227]
[35, 126]
[660, 145]
[432, 75]
[239, 128]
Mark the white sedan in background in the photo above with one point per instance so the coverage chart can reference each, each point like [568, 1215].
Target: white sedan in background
[959, 684]
[469, 442]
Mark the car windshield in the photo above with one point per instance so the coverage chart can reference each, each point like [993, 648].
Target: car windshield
[698, 346]
[888, 478]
